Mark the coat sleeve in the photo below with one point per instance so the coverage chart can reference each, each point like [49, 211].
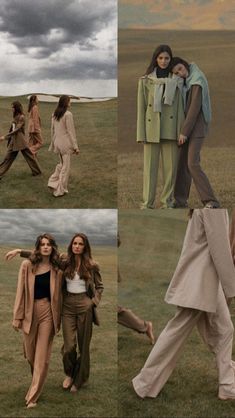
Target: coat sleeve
[25, 253]
[70, 128]
[193, 111]
[20, 124]
[99, 287]
[232, 236]
[141, 112]
[19, 307]
[217, 233]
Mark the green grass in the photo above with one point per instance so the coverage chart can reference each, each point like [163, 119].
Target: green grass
[148, 255]
[93, 178]
[135, 51]
[99, 397]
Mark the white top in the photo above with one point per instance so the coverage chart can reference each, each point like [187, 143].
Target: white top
[76, 285]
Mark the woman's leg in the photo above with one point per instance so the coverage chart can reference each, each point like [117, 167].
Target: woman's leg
[128, 319]
[59, 179]
[169, 155]
[200, 179]
[39, 354]
[35, 142]
[30, 159]
[84, 333]
[165, 353]
[69, 327]
[151, 162]
[183, 178]
[7, 162]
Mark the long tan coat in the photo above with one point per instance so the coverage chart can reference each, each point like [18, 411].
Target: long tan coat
[200, 272]
[63, 135]
[24, 301]
[34, 123]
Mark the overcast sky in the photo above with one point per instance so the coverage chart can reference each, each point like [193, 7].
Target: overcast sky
[19, 226]
[58, 46]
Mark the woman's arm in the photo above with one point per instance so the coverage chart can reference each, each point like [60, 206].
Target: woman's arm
[193, 111]
[99, 287]
[69, 123]
[141, 112]
[19, 306]
[19, 125]
[23, 253]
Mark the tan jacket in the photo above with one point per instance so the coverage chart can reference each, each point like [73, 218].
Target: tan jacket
[16, 138]
[34, 123]
[63, 136]
[194, 125]
[24, 301]
[205, 263]
[232, 235]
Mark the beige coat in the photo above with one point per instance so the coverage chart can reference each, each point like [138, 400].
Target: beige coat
[63, 136]
[24, 301]
[34, 123]
[205, 263]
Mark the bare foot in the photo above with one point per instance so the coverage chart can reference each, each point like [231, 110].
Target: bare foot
[73, 389]
[32, 404]
[149, 332]
[67, 382]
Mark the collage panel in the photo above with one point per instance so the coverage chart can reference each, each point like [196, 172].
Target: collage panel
[58, 104]
[64, 307]
[176, 272]
[175, 125]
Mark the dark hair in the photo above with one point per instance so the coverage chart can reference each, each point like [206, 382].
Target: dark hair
[32, 102]
[36, 257]
[17, 108]
[61, 107]
[87, 263]
[158, 51]
[178, 60]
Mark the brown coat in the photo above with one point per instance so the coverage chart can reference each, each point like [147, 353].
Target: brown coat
[16, 138]
[205, 263]
[34, 124]
[194, 125]
[24, 301]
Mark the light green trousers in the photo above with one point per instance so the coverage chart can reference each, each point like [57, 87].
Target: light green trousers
[168, 150]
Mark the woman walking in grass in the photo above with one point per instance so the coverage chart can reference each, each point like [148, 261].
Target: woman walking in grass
[37, 310]
[192, 135]
[82, 291]
[16, 142]
[34, 125]
[159, 117]
[63, 143]
[203, 281]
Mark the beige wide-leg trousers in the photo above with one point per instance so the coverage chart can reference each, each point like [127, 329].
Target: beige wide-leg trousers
[129, 319]
[59, 179]
[217, 332]
[37, 346]
[168, 151]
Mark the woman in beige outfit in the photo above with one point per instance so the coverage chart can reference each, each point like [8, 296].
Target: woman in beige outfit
[63, 143]
[34, 125]
[203, 280]
[37, 310]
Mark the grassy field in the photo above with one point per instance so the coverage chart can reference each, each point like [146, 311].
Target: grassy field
[214, 52]
[148, 255]
[99, 397]
[93, 179]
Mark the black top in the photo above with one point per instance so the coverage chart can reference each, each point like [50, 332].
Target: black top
[42, 286]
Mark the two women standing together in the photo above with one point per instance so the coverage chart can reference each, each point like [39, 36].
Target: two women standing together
[173, 114]
[63, 141]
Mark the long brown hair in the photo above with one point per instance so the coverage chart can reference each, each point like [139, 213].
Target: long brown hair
[36, 257]
[17, 108]
[158, 51]
[87, 263]
[32, 102]
[62, 106]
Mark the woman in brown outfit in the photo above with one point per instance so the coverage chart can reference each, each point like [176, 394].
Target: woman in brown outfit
[37, 310]
[17, 142]
[192, 135]
[34, 125]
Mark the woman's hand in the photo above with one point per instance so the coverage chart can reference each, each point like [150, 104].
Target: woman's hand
[182, 139]
[2, 138]
[11, 254]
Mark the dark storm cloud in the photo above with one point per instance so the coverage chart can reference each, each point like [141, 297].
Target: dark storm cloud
[47, 25]
[22, 226]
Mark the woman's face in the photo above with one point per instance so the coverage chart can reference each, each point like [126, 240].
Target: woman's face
[163, 60]
[78, 246]
[45, 247]
[180, 70]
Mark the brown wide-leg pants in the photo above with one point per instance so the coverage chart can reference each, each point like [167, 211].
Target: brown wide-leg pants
[189, 169]
[28, 156]
[35, 142]
[37, 346]
[216, 330]
[77, 331]
[129, 319]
